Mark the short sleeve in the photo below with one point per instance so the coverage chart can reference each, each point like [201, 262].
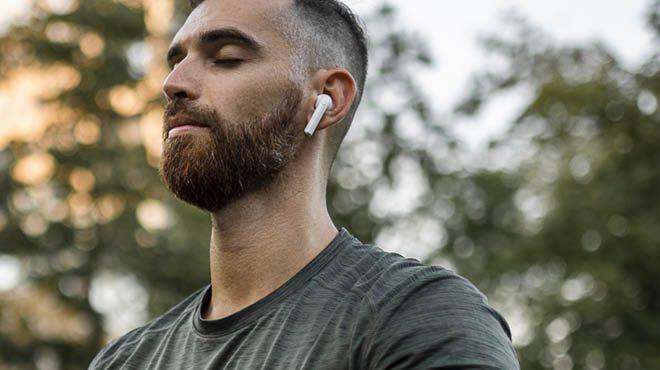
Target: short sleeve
[438, 320]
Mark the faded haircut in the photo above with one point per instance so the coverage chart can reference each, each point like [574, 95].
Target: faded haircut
[326, 34]
[330, 35]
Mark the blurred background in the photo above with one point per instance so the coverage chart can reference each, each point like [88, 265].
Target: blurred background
[516, 143]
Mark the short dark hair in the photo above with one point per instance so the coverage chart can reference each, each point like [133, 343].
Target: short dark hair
[338, 29]
[331, 35]
[328, 34]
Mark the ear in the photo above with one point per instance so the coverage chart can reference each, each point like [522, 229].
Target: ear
[341, 87]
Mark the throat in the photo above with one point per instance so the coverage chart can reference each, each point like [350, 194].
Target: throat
[249, 263]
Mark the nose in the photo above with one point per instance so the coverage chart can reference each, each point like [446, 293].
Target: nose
[181, 83]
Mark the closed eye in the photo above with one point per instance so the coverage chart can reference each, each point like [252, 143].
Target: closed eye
[228, 62]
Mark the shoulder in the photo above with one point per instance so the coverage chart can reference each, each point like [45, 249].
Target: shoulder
[387, 279]
[156, 327]
[426, 316]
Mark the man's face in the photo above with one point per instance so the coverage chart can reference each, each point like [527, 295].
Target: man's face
[232, 119]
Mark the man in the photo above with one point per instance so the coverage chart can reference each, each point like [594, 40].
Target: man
[288, 290]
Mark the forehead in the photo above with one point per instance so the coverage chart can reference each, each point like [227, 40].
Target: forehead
[262, 19]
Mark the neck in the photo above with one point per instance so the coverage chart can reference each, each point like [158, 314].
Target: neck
[262, 240]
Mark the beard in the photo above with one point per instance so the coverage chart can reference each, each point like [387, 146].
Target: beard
[230, 160]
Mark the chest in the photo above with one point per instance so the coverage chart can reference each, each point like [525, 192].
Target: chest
[306, 336]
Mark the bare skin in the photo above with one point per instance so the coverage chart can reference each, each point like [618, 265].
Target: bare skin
[262, 240]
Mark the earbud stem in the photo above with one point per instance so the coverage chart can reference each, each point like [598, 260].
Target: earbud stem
[323, 103]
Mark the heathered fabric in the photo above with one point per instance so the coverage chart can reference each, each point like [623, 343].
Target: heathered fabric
[353, 307]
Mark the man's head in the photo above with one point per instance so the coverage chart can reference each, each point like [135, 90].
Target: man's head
[245, 76]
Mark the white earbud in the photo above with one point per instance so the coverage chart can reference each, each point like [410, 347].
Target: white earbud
[323, 103]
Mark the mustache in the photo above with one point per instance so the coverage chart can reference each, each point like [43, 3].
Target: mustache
[204, 116]
[180, 107]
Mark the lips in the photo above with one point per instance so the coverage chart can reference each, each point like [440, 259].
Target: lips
[180, 124]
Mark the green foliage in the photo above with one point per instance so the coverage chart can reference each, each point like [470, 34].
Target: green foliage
[98, 230]
[584, 265]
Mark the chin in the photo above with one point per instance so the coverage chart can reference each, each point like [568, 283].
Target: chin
[187, 168]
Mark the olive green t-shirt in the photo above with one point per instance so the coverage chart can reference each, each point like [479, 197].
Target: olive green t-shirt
[353, 307]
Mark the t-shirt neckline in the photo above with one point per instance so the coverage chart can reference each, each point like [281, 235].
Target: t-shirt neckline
[256, 310]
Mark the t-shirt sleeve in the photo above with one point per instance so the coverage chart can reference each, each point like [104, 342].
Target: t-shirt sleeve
[438, 320]
[103, 354]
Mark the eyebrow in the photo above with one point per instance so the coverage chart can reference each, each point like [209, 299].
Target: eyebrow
[222, 34]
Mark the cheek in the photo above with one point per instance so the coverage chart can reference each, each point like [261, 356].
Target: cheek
[257, 94]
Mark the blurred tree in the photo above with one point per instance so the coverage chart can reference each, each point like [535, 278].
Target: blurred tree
[570, 228]
[82, 205]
